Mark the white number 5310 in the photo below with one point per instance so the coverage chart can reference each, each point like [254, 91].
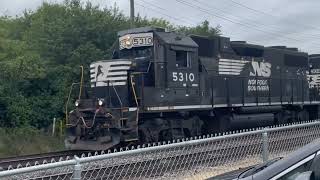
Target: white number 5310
[179, 76]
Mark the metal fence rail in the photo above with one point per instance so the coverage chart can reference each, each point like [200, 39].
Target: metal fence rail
[201, 157]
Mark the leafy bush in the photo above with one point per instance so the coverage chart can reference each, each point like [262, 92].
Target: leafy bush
[27, 140]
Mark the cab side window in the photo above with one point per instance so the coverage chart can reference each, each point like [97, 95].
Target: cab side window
[183, 59]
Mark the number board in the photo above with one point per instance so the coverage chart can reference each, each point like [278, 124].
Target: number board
[136, 40]
[182, 77]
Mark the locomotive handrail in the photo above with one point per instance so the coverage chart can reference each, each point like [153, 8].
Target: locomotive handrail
[135, 97]
[117, 96]
[134, 91]
[67, 103]
[81, 83]
[93, 120]
[121, 105]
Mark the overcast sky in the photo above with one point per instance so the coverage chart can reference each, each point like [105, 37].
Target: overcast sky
[293, 23]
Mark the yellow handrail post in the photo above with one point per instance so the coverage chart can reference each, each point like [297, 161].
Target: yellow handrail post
[134, 91]
[81, 82]
[69, 96]
[67, 103]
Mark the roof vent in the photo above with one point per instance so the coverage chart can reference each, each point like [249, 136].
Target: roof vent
[314, 56]
[278, 47]
[239, 42]
[178, 38]
[292, 49]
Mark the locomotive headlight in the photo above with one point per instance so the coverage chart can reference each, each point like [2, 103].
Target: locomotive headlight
[128, 41]
[100, 102]
[77, 103]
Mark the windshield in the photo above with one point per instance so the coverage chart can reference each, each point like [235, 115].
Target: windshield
[137, 52]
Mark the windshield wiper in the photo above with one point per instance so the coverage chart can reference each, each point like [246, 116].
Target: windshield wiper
[255, 169]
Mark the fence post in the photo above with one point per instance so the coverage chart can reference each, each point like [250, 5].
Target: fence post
[77, 170]
[265, 146]
[53, 126]
[61, 128]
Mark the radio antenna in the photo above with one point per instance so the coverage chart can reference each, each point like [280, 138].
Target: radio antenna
[132, 13]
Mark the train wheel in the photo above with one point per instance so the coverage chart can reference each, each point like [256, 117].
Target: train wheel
[210, 125]
[302, 116]
[147, 134]
[142, 137]
[224, 122]
[149, 129]
[284, 117]
[166, 135]
[197, 126]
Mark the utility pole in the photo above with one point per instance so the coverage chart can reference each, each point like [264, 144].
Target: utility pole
[132, 13]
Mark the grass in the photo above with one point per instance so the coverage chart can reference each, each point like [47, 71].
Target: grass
[23, 141]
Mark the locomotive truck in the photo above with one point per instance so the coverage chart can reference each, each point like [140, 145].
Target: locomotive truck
[162, 85]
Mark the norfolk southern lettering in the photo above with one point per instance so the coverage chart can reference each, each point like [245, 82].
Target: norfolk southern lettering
[259, 69]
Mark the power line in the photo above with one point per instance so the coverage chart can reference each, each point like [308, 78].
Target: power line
[222, 17]
[267, 14]
[159, 12]
[229, 14]
[235, 3]
[249, 24]
[158, 9]
[255, 23]
[156, 6]
[271, 34]
[153, 4]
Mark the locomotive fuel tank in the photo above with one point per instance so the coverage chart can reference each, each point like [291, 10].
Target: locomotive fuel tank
[244, 121]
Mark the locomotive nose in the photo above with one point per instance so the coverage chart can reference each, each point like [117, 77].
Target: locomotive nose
[108, 140]
[92, 129]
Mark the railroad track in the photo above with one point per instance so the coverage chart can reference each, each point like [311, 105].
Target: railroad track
[35, 159]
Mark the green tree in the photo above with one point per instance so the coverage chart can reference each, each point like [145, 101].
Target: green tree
[203, 29]
[41, 51]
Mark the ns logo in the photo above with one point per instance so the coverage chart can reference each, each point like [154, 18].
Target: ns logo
[261, 69]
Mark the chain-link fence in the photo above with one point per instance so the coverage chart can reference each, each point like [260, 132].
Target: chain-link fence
[196, 158]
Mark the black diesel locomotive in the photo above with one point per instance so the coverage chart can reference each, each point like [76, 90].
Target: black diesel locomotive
[163, 85]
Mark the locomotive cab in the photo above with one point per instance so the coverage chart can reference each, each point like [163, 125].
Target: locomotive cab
[150, 68]
[110, 114]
